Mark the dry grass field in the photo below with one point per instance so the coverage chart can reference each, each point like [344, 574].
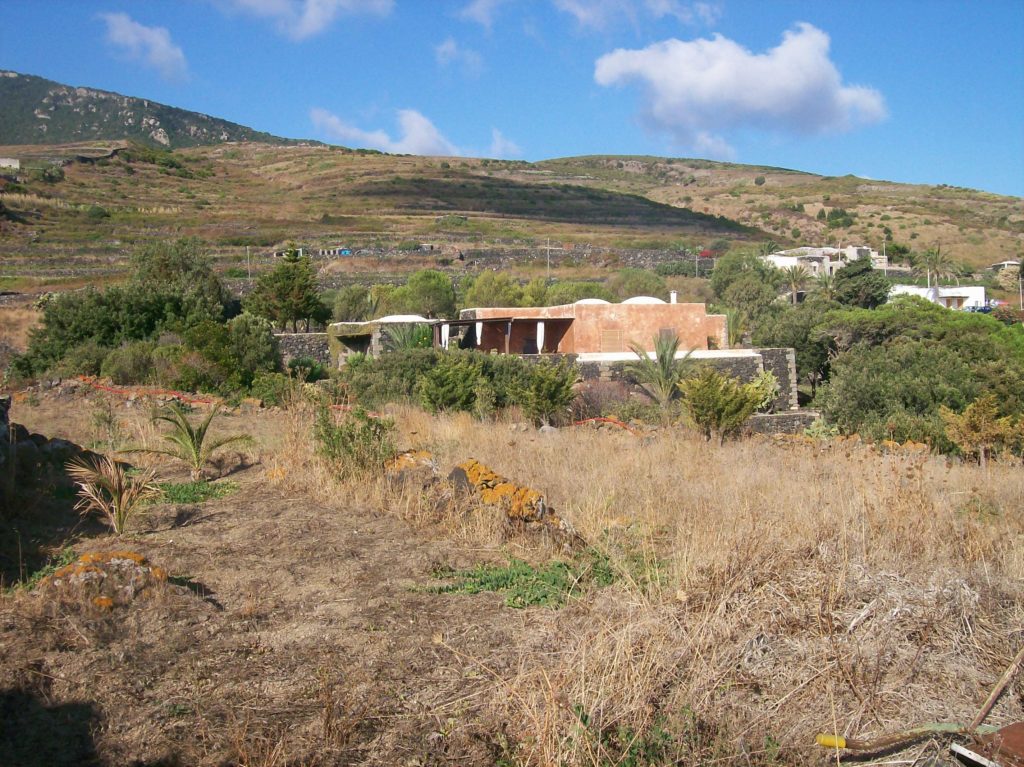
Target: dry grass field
[754, 594]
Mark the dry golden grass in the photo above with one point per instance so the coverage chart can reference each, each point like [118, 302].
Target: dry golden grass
[15, 323]
[767, 592]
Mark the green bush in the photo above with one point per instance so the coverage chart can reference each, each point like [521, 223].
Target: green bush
[307, 369]
[451, 383]
[273, 389]
[508, 375]
[388, 378]
[84, 359]
[129, 364]
[549, 391]
[718, 404]
[357, 444]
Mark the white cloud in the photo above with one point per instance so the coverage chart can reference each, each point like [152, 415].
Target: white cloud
[706, 13]
[482, 11]
[597, 13]
[418, 135]
[698, 90]
[150, 45]
[450, 52]
[502, 147]
[300, 19]
[600, 14]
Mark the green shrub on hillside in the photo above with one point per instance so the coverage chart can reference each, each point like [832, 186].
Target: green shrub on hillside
[451, 384]
[388, 378]
[356, 443]
[548, 392]
[129, 364]
[273, 389]
[717, 404]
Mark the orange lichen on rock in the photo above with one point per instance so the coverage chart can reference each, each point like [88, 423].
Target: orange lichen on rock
[410, 459]
[106, 578]
[520, 504]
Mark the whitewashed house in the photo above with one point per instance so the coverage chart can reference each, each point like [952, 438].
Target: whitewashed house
[960, 297]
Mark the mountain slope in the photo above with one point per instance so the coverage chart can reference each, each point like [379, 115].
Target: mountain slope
[40, 111]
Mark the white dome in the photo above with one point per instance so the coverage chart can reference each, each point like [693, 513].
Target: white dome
[396, 318]
[643, 300]
[590, 301]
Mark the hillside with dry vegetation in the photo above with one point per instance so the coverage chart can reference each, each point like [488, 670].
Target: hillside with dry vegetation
[264, 196]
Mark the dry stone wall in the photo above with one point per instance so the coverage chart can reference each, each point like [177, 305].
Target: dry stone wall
[296, 345]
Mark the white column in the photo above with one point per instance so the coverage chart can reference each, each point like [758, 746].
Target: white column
[445, 332]
[540, 337]
[479, 333]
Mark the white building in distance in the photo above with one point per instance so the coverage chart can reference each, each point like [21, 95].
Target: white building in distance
[818, 261]
[963, 298]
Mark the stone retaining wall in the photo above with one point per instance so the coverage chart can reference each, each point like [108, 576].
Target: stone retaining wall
[313, 345]
[790, 422]
[782, 362]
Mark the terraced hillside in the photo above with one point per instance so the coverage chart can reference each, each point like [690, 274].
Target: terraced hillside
[263, 196]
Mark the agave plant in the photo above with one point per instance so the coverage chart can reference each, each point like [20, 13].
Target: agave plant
[189, 443]
[106, 487]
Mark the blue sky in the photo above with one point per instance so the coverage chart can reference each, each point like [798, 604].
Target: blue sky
[906, 90]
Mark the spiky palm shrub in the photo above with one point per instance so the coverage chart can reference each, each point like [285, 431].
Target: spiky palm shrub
[660, 376]
[106, 487]
[189, 443]
[403, 337]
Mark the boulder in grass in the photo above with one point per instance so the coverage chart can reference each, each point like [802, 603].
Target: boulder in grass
[523, 506]
[413, 468]
[104, 579]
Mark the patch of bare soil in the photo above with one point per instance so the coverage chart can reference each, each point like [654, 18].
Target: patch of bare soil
[289, 632]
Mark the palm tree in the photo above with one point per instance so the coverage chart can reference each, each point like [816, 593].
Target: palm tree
[659, 376]
[106, 487]
[934, 261]
[796, 277]
[736, 326]
[826, 285]
[188, 443]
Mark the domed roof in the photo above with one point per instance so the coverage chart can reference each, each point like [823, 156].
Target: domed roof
[590, 301]
[395, 318]
[643, 300]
